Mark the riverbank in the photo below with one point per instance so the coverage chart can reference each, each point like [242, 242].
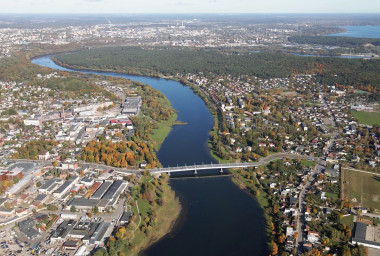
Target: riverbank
[162, 131]
[164, 127]
[155, 210]
[252, 187]
[166, 217]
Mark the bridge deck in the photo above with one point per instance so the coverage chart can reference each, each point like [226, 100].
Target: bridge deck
[202, 167]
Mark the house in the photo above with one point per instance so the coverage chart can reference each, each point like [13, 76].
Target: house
[143, 164]
[289, 231]
[313, 236]
[125, 217]
[45, 155]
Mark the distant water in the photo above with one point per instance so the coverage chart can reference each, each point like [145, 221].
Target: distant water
[330, 56]
[360, 32]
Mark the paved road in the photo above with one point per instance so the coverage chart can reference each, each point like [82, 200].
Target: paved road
[317, 169]
[262, 161]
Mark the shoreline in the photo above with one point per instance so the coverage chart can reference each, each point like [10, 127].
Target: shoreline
[211, 107]
[168, 215]
[261, 203]
[164, 226]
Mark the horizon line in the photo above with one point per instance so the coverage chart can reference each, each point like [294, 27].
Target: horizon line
[184, 13]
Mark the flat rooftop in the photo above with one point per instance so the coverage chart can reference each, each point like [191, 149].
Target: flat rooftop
[101, 190]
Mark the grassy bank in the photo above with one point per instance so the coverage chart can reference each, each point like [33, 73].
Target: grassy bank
[166, 217]
[162, 131]
[155, 209]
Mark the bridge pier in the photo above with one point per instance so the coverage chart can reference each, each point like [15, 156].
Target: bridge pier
[221, 170]
[195, 172]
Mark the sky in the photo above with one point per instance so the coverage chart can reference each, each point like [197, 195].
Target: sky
[189, 6]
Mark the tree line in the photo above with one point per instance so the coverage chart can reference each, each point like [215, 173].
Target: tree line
[266, 64]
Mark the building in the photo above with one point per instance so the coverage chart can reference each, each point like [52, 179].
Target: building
[32, 121]
[101, 190]
[27, 228]
[49, 186]
[131, 106]
[82, 203]
[81, 251]
[44, 155]
[367, 235]
[103, 231]
[65, 187]
[63, 230]
[362, 108]
[14, 174]
[125, 217]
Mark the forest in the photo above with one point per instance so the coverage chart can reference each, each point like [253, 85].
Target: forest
[266, 64]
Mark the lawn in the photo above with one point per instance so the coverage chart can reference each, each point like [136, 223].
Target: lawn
[162, 131]
[362, 188]
[308, 163]
[348, 220]
[370, 118]
[332, 195]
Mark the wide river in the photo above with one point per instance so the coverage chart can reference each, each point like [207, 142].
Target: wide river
[217, 218]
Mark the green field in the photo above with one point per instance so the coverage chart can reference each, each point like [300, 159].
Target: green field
[348, 220]
[332, 195]
[162, 131]
[308, 163]
[362, 188]
[370, 118]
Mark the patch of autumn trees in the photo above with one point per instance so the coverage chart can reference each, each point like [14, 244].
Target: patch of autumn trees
[32, 149]
[120, 154]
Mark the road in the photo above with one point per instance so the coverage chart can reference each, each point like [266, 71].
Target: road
[317, 170]
[262, 161]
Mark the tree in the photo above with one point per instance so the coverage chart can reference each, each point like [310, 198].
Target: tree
[274, 248]
[38, 184]
[282, 238]
[15, 180]
[7, 205]
[73, 209]
[315, 252]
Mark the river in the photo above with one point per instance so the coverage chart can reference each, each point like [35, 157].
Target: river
[217, 217]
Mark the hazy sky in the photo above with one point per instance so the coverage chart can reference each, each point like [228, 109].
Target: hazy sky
[189, 6]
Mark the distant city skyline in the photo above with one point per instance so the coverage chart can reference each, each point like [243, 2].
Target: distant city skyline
[190, 6]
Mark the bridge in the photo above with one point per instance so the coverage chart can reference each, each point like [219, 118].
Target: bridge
[185, 168]
[198, 167]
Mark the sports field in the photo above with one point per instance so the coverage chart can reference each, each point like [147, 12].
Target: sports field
[370, 118]
[361, 188]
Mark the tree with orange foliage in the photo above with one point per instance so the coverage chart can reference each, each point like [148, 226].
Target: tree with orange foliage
[274, 248]
[315, 252]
